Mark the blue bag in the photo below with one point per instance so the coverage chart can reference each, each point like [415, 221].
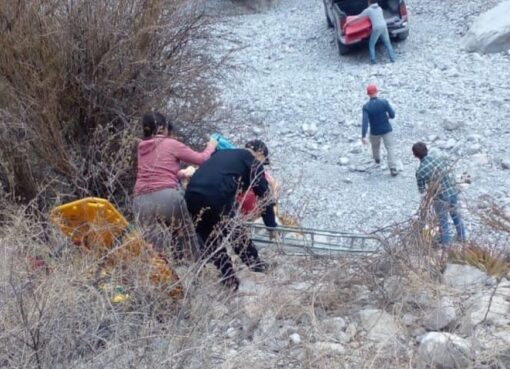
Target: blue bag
[223, 143]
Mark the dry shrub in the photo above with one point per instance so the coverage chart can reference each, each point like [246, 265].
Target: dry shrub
[490, 260]
[75, 76]
[59, 318]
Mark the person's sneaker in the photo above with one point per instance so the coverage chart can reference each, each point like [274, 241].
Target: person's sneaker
[259, 267]
[377, 161]
[231, 282]
[393, 172]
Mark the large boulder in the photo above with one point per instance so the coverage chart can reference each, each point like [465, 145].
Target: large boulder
[490, 33]
[444, 350]
[465, 278]
[441, 316]
[494, 309]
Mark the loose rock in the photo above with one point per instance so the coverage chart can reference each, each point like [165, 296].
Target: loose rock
[379, 324]
[441, 316]
[444, 350]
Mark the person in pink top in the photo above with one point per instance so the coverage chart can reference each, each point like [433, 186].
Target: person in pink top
[158, 198]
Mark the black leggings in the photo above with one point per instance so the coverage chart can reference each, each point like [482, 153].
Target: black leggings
[213, 225]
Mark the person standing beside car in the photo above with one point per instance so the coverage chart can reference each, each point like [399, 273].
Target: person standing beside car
[379, 30]
[376, 114]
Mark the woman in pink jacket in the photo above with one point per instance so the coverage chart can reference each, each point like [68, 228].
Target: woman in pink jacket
[158, 200]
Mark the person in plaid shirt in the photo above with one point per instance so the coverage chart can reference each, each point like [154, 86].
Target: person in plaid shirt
[434, 175]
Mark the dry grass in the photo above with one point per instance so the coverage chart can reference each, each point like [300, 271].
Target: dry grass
[491, 261]
[61, 319]
[57, 316]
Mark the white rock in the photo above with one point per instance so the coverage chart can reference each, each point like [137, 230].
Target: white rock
[474, 137]
[450, 143]
[432, 138]
[379, 324]
[473, 149]
[334, 324]
[333, 329]
[408, 319]
[295, 338]
[480, 159]
[464, 277]
[328, 347]
[310, 129]
[441, 316]
[490, 33]
[343, 161]
[441, 144]
[494, 309]
[444, 350]
[313, 129]
[451, 125]
[231, 332]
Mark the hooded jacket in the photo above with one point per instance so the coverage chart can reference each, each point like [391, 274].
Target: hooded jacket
[375, 13]
[229, 172]
[159, 161]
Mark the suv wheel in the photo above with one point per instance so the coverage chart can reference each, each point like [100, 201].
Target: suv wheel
[402, 36]
[342, 49]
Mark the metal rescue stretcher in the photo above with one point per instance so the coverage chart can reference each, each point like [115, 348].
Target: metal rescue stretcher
[315, 242]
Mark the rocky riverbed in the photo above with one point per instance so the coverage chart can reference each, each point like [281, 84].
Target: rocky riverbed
[291, 88]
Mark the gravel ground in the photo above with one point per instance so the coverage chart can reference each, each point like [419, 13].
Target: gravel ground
[292, 89]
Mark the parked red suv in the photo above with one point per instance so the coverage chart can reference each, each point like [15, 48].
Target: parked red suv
[338, 11]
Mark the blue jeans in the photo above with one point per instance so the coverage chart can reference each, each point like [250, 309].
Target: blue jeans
[374, 37]
[443, 208]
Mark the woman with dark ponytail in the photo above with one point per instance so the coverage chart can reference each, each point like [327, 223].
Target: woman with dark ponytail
[157, 196]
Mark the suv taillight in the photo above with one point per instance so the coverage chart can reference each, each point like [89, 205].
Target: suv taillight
[403, 11]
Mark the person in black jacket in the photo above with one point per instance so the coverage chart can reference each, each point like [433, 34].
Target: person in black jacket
[211, 200]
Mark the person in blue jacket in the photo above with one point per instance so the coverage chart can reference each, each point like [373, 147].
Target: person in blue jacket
[376, 114]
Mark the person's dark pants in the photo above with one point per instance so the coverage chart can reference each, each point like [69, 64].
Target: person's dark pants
[213, 225]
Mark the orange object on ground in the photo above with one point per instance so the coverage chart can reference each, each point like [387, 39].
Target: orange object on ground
[96, 225]
[358, 29]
